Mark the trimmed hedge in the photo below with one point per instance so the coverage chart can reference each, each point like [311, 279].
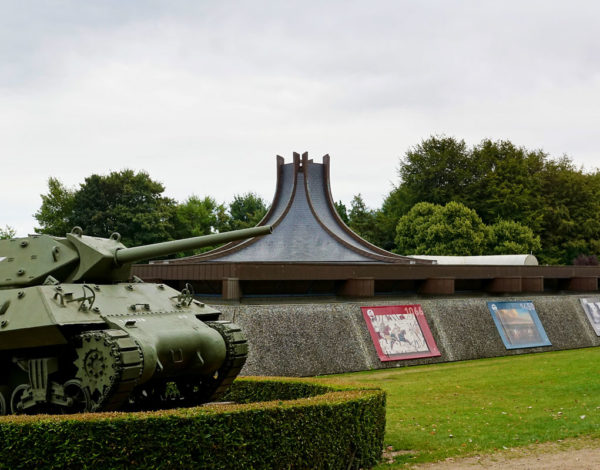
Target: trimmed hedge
[285, 423]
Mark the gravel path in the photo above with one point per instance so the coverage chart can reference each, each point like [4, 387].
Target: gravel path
[571, 454]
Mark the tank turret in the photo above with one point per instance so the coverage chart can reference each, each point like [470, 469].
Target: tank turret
[76, 335]
[29, 261]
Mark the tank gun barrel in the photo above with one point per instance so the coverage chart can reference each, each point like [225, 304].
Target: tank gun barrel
[138, 253]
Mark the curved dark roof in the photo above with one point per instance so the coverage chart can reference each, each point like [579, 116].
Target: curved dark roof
[306, 226]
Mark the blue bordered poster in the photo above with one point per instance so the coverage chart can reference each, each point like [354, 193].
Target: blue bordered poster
[518, 324]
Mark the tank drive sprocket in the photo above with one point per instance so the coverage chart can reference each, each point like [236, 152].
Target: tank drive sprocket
[211, 388]
[109, 364]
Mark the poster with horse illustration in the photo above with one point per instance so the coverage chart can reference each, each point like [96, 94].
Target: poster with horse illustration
[400, 332]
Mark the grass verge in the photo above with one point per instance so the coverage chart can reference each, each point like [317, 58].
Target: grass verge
[465, 408]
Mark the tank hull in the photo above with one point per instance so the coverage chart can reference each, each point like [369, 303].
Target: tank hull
[72, 338]
[98, 347]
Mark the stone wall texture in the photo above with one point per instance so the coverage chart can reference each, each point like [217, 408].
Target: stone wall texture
[305, 339]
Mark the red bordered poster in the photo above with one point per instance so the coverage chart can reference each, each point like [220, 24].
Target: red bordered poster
[400, 332]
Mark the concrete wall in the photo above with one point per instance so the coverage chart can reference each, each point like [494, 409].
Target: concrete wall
[327, 338]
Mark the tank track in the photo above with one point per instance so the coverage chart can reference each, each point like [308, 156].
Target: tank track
[197, 390]
[237, 353]
[109, 364]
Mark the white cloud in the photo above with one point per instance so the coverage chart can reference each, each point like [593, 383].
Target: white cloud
[203, 95]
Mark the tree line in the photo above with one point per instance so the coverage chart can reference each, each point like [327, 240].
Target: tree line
[450, 199]
[490, 198]
[133, 205]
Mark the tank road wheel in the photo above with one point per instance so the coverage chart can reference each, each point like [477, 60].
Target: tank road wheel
[16, 404]
[109, 364]
[78, 396]
[3, 401]
[210, 388]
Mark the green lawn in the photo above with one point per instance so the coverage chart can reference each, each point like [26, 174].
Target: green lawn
[465, 408]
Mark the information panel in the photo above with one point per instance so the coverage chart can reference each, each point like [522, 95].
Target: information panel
[518, 324]
[592, 310]
[400, 332]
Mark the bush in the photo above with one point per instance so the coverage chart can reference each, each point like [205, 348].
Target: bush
[586, 260]
[304, 425]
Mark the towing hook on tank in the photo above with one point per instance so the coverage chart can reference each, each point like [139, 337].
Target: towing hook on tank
[67, 298]
[61, 298]
[77, 230]
[185, 297]
[55, 252]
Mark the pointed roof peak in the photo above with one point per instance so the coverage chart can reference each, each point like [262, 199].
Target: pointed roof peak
[306, 225]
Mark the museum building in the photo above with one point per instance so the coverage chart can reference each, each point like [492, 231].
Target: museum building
[312, 252]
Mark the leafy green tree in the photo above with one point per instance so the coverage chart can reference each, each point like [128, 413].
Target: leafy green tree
[125, 202]
[386, 218]
[56, 211]
[7, 232]
[507, 183]
[361, 219]
[432, 229]
[497, 179]
[454, 229]
[570, 223]
[342, 211]
[246, 211]
[436, 171]
[500, 181]
[199, 216]
[508, 237]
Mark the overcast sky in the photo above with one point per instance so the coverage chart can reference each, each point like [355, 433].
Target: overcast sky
[202, 95]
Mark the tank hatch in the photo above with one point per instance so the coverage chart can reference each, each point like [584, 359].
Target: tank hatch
[29, 260]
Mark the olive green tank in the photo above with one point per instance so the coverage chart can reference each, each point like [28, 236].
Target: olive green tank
[77, 334]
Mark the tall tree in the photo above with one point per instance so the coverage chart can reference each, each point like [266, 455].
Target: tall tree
[507, 183]
[436, 171]
[126, 202]
[342, 211]
[570, 223]
[199, 216]
[501, 181]
[7, 232]
[394, 206]
[56, 212]
[497, 179]
[508, 237]
[455, 229]
[361, 219]
[246, 211]
[432, 229]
